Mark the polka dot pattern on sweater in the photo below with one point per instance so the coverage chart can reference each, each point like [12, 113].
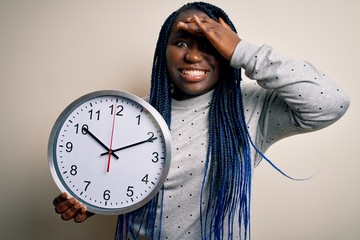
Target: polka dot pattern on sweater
[285, 97]
[189, 145]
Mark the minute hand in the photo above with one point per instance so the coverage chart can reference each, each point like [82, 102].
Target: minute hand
[151, 139]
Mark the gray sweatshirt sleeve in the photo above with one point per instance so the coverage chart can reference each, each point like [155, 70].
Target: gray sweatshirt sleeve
[297, 97]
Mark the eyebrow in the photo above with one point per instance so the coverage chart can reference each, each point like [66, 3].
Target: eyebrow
[182, 33]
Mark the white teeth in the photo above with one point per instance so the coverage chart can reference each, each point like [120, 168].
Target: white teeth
[193, 72]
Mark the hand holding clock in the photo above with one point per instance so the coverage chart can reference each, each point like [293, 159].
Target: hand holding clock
[70, 208]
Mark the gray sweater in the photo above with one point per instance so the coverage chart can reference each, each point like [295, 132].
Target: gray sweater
[288, 97]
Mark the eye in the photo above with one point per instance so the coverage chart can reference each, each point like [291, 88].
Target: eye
[207, 47]
[182, 44]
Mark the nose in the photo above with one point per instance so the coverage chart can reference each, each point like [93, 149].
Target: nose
[194, 55]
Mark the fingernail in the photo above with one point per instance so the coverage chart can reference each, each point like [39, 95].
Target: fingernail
[83, 209]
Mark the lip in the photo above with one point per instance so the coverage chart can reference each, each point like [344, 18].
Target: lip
[193, 75]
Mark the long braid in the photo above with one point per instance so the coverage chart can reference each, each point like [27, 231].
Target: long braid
[226, 186]
[160, 96]
[228, 158]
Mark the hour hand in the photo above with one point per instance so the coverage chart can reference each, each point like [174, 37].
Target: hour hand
[150, 139]
[101, 143]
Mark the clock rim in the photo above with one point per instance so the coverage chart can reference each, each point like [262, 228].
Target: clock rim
[61, 120]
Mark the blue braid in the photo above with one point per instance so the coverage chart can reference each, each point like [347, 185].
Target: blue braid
[229, 165]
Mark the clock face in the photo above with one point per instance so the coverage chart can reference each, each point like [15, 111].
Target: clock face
[111, 151]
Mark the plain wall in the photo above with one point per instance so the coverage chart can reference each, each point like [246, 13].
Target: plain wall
[52, 52]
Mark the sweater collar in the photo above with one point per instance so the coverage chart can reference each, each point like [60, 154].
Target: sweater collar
[193, 102]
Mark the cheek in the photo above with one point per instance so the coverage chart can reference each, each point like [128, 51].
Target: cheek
[172, 58]
[168, 54]
[172, 55]
[217, 68]
[169, 59]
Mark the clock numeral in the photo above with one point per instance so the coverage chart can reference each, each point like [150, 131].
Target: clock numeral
[155, 158]
[152, 135]
[145, 179]
[106, 195]
[97, 113]
[120, 108]
[138, 119]
[87, 185]
[129, 191]
[152, 138]
[73, 170]
[69, 146]
[83, 129]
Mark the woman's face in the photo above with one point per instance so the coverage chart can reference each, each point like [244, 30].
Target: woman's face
[192, 62]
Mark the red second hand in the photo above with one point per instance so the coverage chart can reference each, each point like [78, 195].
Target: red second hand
[111, 140]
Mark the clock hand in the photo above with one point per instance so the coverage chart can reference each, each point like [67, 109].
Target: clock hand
[151, 139]
[102, 144]
[111, 141]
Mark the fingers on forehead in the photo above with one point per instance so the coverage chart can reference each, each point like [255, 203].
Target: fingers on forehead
[201, 18]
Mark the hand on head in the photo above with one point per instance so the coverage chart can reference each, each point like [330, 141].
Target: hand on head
[218, 33]
[70, 208]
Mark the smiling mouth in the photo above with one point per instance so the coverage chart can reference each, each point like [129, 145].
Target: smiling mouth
[193, 73]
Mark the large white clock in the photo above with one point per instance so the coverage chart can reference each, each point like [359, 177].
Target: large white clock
[110, 150]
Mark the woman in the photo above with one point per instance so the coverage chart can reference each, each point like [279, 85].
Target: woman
[220, 126]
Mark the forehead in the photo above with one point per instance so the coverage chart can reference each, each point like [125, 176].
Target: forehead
[189, 13]
[182, 18]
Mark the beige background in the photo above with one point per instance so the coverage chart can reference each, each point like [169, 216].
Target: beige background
[52, 52]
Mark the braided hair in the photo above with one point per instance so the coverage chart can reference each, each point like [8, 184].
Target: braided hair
[228, 166]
